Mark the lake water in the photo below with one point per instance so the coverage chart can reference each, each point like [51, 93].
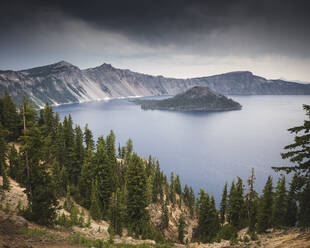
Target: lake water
[205, 149]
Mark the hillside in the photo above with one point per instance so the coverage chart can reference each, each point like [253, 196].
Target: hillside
[198, 98]
[17, 232]
[63, 82]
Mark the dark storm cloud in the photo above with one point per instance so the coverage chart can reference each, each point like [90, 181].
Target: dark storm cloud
[170, 37]
[174, 21]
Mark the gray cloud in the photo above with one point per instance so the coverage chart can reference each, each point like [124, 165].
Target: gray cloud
[121, 32]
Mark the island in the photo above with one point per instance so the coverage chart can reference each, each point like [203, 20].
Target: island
[198, 98]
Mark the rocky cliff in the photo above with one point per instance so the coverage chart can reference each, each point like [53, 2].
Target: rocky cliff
[63, 82]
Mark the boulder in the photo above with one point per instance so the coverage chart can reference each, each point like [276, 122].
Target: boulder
[18, 221]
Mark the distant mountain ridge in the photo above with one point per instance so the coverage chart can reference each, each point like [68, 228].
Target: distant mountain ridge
[63, 82]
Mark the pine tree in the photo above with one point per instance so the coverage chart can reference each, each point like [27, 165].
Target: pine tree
[3, 150]
[111, 155]
[79, 153]
[165, 215]
[95, 208]
[137, 203]
[251, 200]
[208, 221]
[291, 212]
[223, 208]
[69, 154]
[115, 213]
[214, 218]
[129, 149]
[264, 215]
[172, 189]
[304, 213]
[181, 228]
[104, 172]
[178, 187]
[88, 138]
[9, 117]
[191, 201]
[86, 178]
[15, 170]
[3, 166]
[298, 153]
[280, 204]
[236, 209]
[149, 190]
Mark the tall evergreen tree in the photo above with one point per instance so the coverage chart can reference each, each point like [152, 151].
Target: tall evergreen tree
[86, 178]
[279, 204]
[136, 179]
[207, 218]
[79, 153]
[252, 201]
[264, 216]
[115, 213]
[39, 185]
[178, 187]
[104, 173]
[9, 117]
[236, 210]
[88, 138]
[172, 189]
[304, 213]
[3, 156]
[15, 168]
[223, 206]
[3, 150]
[291, 211]
[69, 155]
[95, 208]
[165, 215]
[181, 228]
[298, 153]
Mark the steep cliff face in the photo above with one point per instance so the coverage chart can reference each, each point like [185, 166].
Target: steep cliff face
[65, 83]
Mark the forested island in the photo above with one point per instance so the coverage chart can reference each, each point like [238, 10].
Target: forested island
[73, 182]
[198, 98]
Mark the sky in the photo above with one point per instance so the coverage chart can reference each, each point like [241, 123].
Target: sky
[173, 38]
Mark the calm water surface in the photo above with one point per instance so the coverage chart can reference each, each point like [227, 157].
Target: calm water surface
[205, 149]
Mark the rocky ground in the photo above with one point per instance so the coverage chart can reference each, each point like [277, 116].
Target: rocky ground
[16, 232]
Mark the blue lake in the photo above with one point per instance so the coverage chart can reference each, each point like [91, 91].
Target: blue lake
[205, 149]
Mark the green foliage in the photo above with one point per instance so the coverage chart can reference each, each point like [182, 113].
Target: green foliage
[227, 232]
[95, 208]
[264, 217]
[298, 153]
[291, 211]
[104, 174]
[236, 205]
[251, 203]
[137, 197]
[116, 213]
[9, 118]
[223, 209]
[86, 178]
[181, 228]
[304, 214]
[279, 204]
[208, 221]
[88, 138]
[165, 215]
